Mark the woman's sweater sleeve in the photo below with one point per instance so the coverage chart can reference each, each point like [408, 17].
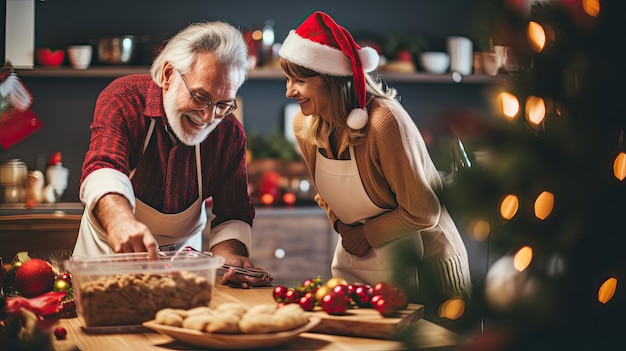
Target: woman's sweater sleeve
[399, 155]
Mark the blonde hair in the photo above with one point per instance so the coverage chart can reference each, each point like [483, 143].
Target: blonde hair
[342, 100]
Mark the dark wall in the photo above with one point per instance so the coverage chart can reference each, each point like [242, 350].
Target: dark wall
[65, 105]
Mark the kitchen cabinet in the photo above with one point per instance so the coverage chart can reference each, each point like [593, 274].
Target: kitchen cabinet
[46, 229]
[293, 244]
[40, 234]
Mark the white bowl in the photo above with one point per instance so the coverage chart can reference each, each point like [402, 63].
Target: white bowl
[435, 61]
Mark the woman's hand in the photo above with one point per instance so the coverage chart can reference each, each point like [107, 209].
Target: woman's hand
[353, 238]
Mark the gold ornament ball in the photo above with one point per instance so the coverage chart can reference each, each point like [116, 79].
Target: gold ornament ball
[61, 285]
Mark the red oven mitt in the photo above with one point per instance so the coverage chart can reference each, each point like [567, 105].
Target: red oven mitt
[17, 120]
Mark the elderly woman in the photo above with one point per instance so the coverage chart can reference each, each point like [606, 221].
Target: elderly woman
[371, 168]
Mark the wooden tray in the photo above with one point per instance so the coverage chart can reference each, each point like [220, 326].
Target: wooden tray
[367, 322]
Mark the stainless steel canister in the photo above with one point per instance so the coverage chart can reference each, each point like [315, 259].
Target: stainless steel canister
[117, 49]
[13, 172]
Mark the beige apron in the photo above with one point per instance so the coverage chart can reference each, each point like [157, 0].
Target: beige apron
[171, 231]
[340, 185]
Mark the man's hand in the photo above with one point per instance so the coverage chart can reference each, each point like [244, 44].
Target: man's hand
[235, 254]
[353, 238]
[124, 232]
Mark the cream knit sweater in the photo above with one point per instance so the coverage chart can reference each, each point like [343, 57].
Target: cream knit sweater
[398, 174]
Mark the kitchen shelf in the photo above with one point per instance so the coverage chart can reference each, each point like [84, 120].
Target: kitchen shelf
[255, 74]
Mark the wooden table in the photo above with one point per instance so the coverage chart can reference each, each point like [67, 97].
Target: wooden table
[429, 336]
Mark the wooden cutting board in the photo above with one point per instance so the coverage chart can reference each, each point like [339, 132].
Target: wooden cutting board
[367, 322]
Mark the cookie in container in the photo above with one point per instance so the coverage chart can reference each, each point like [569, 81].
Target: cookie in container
[128, 289]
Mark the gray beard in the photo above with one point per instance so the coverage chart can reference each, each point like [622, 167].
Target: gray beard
[174, 118]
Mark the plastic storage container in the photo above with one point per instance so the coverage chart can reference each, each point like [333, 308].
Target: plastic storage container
[128, 289]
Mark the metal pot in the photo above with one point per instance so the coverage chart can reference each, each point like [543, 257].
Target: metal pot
[13, 172]
[117, 49]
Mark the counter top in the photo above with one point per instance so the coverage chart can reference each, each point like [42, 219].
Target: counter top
[59, 208]
[428, 336]
[72, 208]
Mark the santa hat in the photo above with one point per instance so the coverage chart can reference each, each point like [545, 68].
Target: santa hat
[320, 44]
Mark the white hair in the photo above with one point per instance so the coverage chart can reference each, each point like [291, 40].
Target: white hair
[221, 39]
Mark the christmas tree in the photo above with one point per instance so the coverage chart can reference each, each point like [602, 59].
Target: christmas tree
[544, 185]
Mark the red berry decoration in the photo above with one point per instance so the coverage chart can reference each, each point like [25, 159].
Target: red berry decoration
[363, 295]
[342, 293]
[34, 277]
[334, 304]
[400, 300]
[385, 308]
[385, 289]
[351, 289]
[307, 301]
[60, 333]
[279, 293]
[311, 285]
[292, 295]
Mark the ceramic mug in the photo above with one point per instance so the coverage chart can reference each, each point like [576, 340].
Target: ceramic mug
[80, 56]
[461, 54]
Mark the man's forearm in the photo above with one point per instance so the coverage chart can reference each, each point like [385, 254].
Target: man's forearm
[112, 208]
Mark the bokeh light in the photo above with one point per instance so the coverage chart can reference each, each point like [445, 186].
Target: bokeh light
[536, 36]
[607, 290]
[544, 205]
[479, 229]
[452, 309]
[257, 34]
[509, 104]
[522, 258]
[289, 198]
[591, 7]
[509, 206]
[267, 199]
[619, 166]
[535, 110]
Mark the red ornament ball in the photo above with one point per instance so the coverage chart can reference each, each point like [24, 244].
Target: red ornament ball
[66, 277]
[60, 333]
[34, 277]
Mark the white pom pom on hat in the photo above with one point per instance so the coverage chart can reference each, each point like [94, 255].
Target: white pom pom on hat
[320, 44]
[357, 118]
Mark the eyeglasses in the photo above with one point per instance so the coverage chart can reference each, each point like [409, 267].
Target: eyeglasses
[199, 102]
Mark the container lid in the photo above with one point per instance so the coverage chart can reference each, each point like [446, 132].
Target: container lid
[139, 262]
[13, 162]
